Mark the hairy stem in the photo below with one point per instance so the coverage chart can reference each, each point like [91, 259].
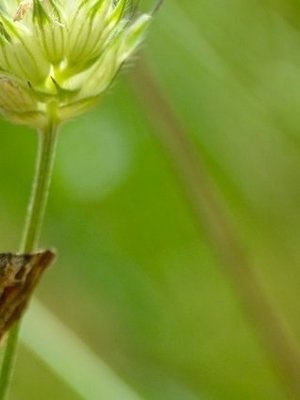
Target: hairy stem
[210, 214]
[31, 234]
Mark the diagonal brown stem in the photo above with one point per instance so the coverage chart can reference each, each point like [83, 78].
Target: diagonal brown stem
[211, 215]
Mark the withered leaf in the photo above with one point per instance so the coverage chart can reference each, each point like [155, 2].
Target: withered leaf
[19, 275]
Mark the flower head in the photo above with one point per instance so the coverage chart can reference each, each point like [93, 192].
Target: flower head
[58, 57]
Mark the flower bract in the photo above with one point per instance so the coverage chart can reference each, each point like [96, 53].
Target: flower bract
[58, 57]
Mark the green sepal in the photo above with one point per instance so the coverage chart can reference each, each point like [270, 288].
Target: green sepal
[4, 35]
[134, 35]
[79, 107]
[8, 27]
[39, 14]
[64, 94]
[35, 119]
[100, 7]
[117, 13]
[58, 93]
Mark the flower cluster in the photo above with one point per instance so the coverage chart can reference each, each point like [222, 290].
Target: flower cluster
[58, 57]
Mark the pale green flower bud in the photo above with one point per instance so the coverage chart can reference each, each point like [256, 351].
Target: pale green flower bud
[58, 57]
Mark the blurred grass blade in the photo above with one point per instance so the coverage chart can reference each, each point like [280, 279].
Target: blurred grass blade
[211, 213]
[201, 49]
[69, 358]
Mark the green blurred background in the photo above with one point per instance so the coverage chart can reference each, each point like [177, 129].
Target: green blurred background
[135, 279]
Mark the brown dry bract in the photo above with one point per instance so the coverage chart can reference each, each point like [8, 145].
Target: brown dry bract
[22, 10]
[19, 275]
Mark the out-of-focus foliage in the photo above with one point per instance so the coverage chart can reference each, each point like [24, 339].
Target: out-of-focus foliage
[135, 278]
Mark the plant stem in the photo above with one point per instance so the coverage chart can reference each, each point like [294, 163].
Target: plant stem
[45, 336]
[212, 216]
[31, 234]
[40, 190]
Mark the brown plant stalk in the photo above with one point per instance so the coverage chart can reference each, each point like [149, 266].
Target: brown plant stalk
[212, 216]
